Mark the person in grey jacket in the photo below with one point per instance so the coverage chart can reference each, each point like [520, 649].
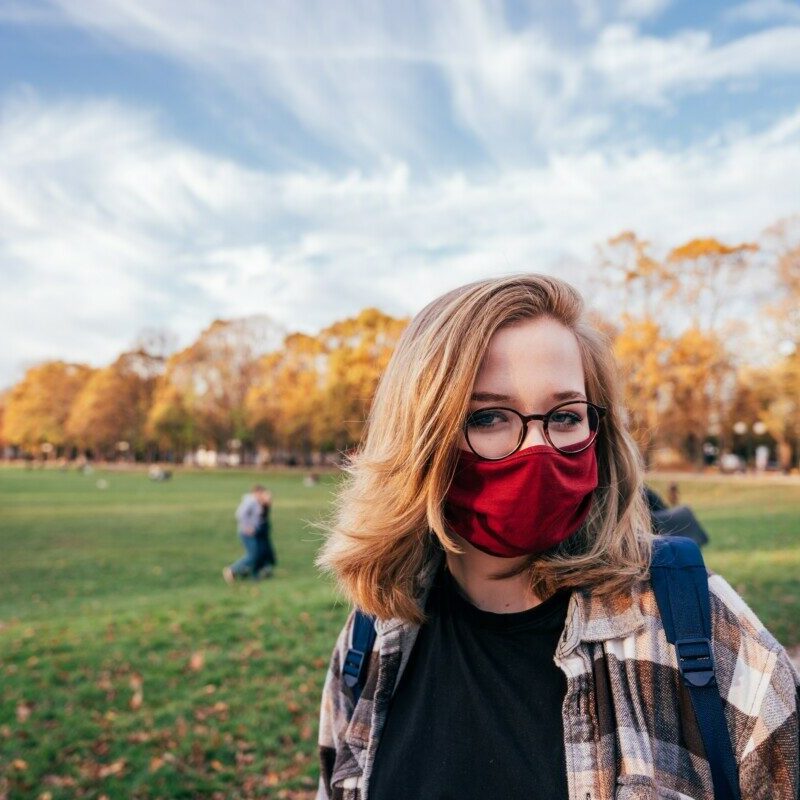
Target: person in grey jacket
[248, 517]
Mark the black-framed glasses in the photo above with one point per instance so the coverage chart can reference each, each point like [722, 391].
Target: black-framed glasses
[569, 427]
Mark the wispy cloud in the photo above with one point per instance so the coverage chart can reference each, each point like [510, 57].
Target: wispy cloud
[110, 225]
[393, 151]
[370, 80]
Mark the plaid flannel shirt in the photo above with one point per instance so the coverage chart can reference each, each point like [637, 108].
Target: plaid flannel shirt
[629, 729]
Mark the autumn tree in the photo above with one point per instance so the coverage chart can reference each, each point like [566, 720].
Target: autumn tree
[201, 395]
[634, 282]
[170, 423]
[699, 374]
[315, 392]
[709, 273]
[358, 350]
[285, 402]
[783, 243]
[643, 356]
[38, 406]
[113, 404]
[771, 395]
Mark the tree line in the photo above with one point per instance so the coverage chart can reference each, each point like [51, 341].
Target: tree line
[707, 336]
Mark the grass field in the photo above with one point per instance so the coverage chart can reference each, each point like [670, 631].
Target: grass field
[130, 670]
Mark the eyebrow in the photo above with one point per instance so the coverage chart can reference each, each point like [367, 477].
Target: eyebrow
[492, 397]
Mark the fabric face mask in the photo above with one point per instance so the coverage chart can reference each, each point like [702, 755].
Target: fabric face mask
[523, 504]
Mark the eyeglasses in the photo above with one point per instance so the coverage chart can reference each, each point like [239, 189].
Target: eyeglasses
[570, 427]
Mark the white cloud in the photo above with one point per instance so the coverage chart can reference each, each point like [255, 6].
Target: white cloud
[649, 70]
[108, 225]
[382, 82]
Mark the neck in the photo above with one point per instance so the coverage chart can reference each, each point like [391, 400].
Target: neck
[473, 571]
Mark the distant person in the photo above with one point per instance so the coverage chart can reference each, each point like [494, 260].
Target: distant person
[248, 518]
[265, 552]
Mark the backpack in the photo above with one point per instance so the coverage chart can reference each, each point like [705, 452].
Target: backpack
[680, 584]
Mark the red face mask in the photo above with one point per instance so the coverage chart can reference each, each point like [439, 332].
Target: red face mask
[522, 504]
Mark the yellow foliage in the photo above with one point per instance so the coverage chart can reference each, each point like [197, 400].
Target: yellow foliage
[38, 406]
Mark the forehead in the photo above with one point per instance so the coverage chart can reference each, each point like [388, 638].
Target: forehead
[536, 356]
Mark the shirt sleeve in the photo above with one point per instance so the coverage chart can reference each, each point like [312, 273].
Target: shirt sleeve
[336, 709]
[760, 689]
[248, 513]
[768, 769]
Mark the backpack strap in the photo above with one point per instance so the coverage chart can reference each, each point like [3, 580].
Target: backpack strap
[680, 583]
[362, 638]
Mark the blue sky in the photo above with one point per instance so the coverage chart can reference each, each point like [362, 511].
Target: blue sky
[163, 164]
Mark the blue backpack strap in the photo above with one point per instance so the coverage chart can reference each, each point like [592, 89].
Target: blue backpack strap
[680, 583]
[356, 662]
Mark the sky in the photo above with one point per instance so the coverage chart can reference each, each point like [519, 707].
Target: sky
[163, 164]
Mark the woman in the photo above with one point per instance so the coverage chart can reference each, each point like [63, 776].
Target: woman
[494, 524]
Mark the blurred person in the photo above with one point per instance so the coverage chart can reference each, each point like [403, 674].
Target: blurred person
[248, 518]
[265, 560]
[494, 524]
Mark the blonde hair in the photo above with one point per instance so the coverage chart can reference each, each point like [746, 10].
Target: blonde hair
[388, 514]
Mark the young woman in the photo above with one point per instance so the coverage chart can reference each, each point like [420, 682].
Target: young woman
[494, 524]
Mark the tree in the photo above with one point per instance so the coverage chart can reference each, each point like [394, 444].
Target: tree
[169, 422]
[643, 356]
[315, 392]
[699, 372]
[708, 272]
[285, 402]
[38, 406]
[783, 240]
[640, 285]
[201, 396]
[358, 351]
[113, 404]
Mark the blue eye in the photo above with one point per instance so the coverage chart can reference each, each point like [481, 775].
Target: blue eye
[564, 420]
[486, 418]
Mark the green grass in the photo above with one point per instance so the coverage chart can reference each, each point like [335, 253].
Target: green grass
[129, 669]
[105, 590]
[754, 531]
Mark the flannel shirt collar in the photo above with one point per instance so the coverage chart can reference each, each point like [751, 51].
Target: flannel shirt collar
[589, 618]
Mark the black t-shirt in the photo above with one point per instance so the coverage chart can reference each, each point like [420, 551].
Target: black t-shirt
[477, 713]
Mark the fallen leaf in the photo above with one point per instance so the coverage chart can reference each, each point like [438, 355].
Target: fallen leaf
[19, 764]
[114, 768]
[197, 661]
[156, 762]
[59, 781]
[136, 700]
[23, 711]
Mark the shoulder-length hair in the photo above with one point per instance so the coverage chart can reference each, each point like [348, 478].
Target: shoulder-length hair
[389, 511]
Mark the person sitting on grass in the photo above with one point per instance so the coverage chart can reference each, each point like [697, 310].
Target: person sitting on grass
[248, 519]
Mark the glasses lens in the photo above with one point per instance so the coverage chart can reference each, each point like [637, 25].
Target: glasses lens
[493, 432]
[573, 427]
